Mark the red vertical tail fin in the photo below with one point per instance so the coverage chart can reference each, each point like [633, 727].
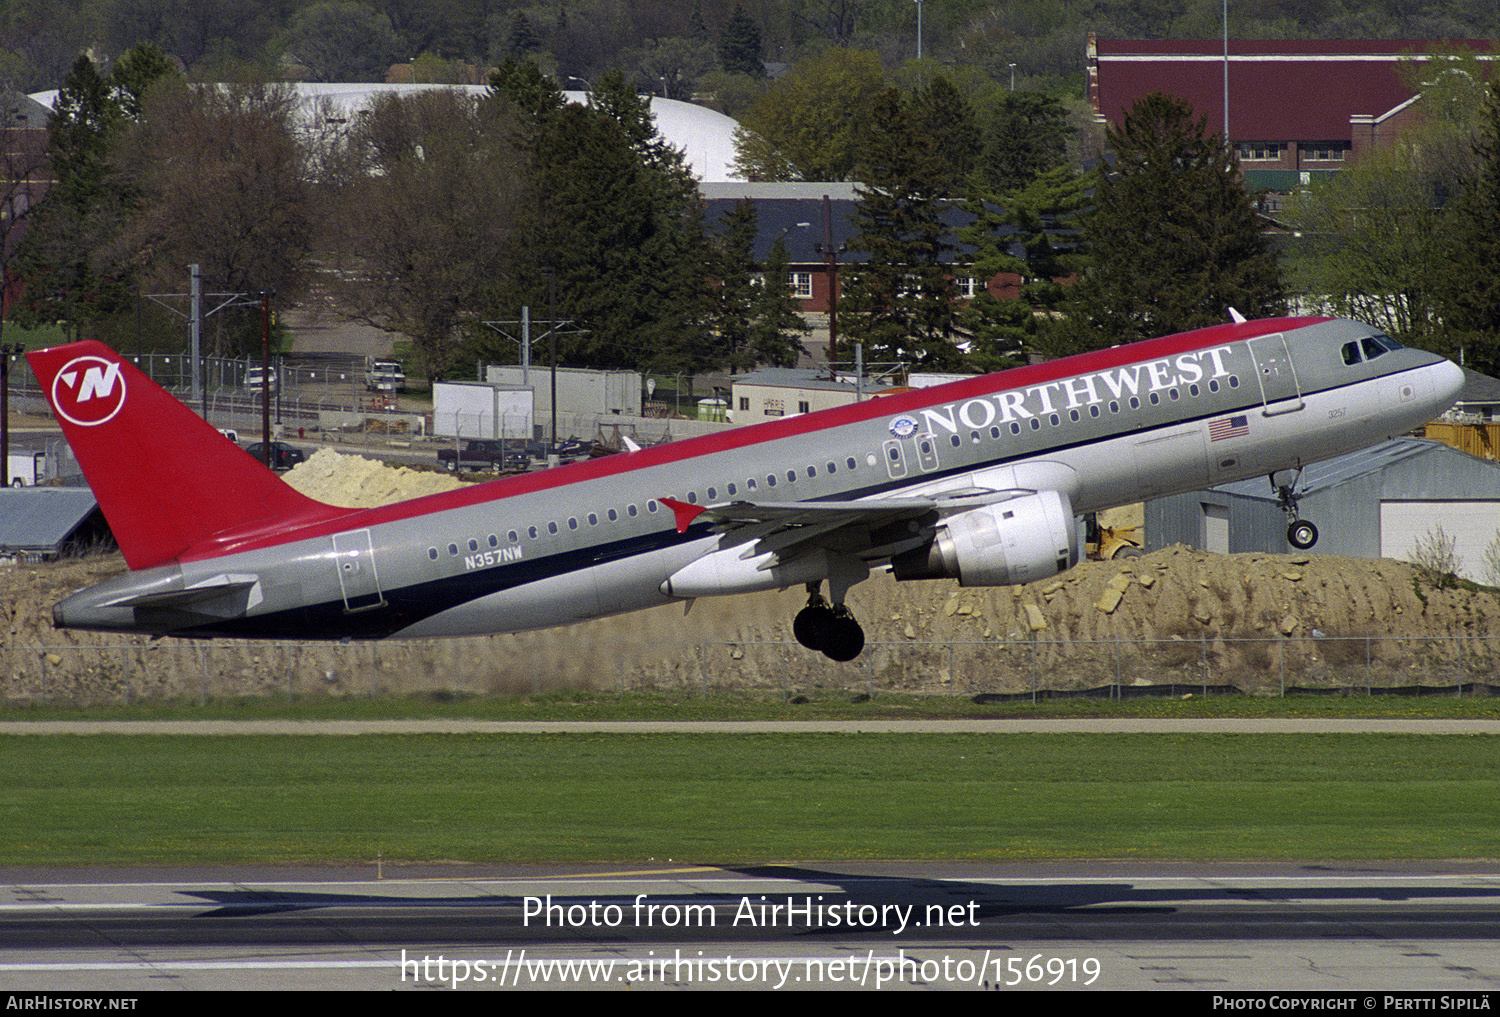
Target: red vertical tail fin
[165, 478]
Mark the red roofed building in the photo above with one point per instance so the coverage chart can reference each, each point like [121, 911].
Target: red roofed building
[1296, 106]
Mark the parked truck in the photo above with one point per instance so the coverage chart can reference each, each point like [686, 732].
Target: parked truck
[383, 375]
[486, 454]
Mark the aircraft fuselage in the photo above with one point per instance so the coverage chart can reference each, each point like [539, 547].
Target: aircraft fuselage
[597, 538]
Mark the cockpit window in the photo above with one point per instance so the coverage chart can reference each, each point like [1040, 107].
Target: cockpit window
[1371, 348]
[1351, 353]
[1387, 342]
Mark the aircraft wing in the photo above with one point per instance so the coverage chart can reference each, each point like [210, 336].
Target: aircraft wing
[871, 530]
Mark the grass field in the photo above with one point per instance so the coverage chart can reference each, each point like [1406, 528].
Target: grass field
[746, 798]
[824, 705]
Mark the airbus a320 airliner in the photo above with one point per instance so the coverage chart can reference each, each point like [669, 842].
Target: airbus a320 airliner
[980, 480]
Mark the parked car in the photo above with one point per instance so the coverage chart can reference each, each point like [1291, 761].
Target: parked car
[566, 451]
[283, 456]
[253, 379]
[486, 454]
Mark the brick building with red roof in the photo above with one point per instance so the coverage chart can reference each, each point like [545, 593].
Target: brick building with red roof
[1297, 107]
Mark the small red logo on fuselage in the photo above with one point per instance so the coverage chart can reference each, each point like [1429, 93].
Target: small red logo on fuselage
[88, 391]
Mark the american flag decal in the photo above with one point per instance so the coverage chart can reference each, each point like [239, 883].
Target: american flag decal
[1228, 427]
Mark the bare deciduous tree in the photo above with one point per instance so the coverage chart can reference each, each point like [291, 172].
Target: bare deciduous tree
[223, 182]
[430, 192]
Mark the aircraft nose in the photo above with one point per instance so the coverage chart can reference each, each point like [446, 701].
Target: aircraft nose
[1447, 382]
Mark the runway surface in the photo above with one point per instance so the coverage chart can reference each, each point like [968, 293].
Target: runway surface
[1222, 927]
[1346, 928]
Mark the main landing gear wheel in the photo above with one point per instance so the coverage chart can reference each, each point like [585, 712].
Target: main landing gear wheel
[1300, 533]
[812, 623]
[830, 630]
[844, 639]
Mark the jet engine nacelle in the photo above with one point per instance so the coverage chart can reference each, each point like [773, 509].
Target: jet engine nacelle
[1016, 541]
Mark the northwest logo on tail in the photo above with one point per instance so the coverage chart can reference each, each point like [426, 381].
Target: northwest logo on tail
[88, 391]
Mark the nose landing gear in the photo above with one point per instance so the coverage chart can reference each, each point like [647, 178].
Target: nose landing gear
[830, 630]
[1300, 533]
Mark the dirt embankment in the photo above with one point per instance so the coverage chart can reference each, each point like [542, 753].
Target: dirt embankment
[1176, 615]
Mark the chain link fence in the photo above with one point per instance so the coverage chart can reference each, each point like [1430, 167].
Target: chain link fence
[124, 671]
[327, 399]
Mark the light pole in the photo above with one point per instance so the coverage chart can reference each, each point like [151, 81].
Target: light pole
[550, 271]
[1226, 73]
[1012, 77]
[919, 28]
[7, 350]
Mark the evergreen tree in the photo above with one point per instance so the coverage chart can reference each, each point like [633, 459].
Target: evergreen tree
[734, 303]
[740, 45]
[776, 329]
[1028, 135]
[136, 71]
[615, 214]
[755, 313]
[902, 301]
[1470, 290]
[63, 259]
[522, 84]
[1029, 233]
[521, 37]
[939, 111]
[1173, 240]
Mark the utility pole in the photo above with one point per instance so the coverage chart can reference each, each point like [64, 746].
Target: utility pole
[265, 375]
[831, 265]
[195, 318]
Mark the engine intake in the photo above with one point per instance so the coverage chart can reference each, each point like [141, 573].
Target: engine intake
[1016, 541]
